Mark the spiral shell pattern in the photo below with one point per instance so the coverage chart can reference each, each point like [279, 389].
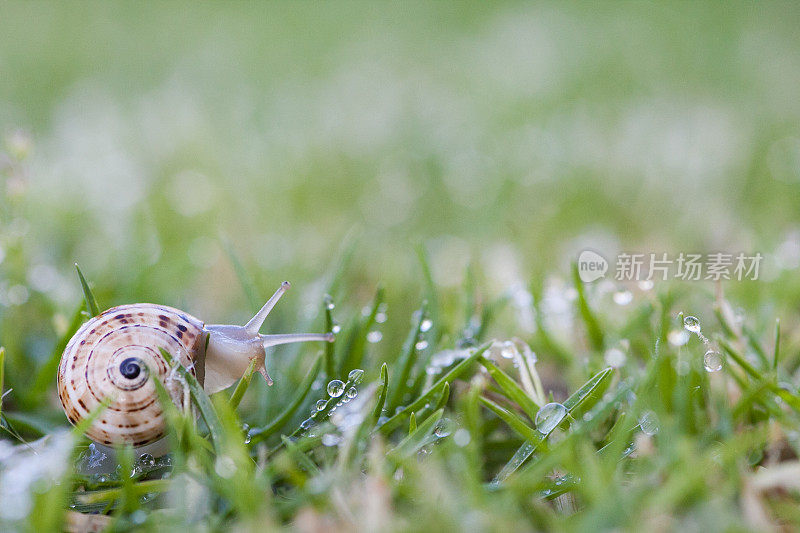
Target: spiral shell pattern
[114, 355]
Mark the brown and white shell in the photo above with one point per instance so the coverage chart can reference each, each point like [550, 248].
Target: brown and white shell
[91, 370]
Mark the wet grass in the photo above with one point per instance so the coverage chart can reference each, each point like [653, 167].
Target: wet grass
[426, 178]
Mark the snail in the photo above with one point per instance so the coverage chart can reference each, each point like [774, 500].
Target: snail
[114, 354]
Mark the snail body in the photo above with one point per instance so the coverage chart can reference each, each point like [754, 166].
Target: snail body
[115, 354]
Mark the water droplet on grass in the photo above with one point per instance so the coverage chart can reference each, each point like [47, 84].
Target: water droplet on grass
[443, 428]
[352, 393]
[336, 328]
[623, 297]
[508, 349]
[335, 388]
[549, 416]
[330, 306]
[320, 405]
[374, 336]
[421, 345]
[330, 439]
[712, 361]
[355, 376]
[678, 337]
[426, 325]
[692, 323]
[462, 437]
[648, 422]
[614, 357]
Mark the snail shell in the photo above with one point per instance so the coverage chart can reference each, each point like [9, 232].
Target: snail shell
[113, 356]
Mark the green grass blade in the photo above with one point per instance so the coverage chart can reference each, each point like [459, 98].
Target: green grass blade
[412, 423]
[330, 347]
[584, 399]
[591, 390]
[91, 301]
[394, 422]
[46, 375]
[383, 388]
[200, 398]
[245, 280]
[244, 383]
[356, 349]
[260, 434]
[418, 437]
[407, 360]
[514, 421]
[593, 328]
[432, 335]
[776, 354]
[510, 387]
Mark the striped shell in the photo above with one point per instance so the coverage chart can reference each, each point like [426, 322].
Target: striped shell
[93, 367]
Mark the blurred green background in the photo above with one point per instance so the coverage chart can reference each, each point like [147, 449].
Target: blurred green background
[140, 138]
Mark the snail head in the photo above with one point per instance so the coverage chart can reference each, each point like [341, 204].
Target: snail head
[231, 348]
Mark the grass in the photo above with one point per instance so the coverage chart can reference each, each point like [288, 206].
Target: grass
[657, 442]
[425, 175]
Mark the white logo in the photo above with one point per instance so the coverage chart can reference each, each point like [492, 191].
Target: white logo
[591, 266]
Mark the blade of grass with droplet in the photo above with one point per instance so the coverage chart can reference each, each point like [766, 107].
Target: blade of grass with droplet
[589, 318]
[513, 391]
[432, 335]
[406, 361]
[299, 456]
[200, 398]
[260, 434]
[514, 421]
[418, 437]
[583, 399]
[46, 374]
[91, 301]
[356, 349]
[330, 347]
[395, 421]
[383, 388]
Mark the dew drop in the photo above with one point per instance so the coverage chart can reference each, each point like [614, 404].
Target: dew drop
[648, 422]
[712, 361]
[443, 428]
[421, 345]
[355, 376]
[330, 306]
[507, 350]
[374, 336]
[614, 357]
[352, 393]
[335, 388]
[320, 405]
[330, 439]
[307, 423]
[336, 328]
[146, 461]
[549, 416]
[623, 297]
[678, 337]
[691, 323]
[380, 318]
[426, 325]
[461, 437]
[224, 466]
